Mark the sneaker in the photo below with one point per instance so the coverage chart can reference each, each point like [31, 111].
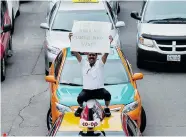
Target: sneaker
[107, 112]
[78, 112]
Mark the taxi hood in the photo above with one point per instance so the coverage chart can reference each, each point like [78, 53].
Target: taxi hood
[163, 29]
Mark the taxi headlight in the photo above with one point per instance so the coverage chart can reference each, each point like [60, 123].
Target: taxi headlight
[53, 50]
[63, 108]
[146, 42]
[130, 107]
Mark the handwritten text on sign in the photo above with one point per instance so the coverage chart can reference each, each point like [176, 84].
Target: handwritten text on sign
[91, 37]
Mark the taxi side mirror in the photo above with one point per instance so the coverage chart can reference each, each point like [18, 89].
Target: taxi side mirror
[50, 79]
[137, 76]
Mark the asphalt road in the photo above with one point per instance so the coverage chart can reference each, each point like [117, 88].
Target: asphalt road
[25, 95]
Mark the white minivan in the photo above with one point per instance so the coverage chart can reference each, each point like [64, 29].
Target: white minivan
[161, 32]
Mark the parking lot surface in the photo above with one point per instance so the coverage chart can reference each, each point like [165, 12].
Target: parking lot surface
[25, 95]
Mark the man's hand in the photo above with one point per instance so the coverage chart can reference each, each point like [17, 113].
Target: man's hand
[111, 39]
[78, 56]
[70, 35]
[104, 57]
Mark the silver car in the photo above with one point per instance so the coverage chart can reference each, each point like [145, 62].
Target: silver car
[60, 22]
[115, 5]
[161, 32]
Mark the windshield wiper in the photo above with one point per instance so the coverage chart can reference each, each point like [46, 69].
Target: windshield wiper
[61, 30]
[177, 18]
[71, 84]
[167, 19]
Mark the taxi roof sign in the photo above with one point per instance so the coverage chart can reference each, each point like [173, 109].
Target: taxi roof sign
[85, 1]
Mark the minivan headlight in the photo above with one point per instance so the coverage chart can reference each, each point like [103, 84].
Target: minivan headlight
[130, 107]
[146, 42]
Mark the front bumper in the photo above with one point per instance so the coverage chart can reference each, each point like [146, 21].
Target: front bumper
[100, 133]
[154, 56]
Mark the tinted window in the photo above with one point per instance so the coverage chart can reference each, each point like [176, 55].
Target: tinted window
[64, 20]
[164, 9]
[114, 72]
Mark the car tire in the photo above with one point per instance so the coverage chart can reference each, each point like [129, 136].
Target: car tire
[49, 119]
[3, 69]
[10, 47]
[118, 10]
[10, 43]
[139, 61]
[12, 30]
[143, 120]
[18, 13]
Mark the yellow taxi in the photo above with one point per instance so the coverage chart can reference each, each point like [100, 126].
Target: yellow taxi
[66, 83]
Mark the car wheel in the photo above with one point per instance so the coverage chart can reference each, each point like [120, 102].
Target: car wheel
[49, 119]
[10, 47]
[143, 120]
[12, 30]
[118, 11]
[139, 61]
[18, 13]
[3, 69]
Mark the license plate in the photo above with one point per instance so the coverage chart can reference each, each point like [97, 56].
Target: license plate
[176, 58]
[84, 123]
[89, 124]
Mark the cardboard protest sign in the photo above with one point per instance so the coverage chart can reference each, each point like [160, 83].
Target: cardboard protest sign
[91, 36]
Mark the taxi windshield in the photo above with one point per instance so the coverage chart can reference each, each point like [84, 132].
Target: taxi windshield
[64, 20]
[114, 72]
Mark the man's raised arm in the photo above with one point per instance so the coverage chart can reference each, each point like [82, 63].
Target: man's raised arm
[104, 57]
[78, 56]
